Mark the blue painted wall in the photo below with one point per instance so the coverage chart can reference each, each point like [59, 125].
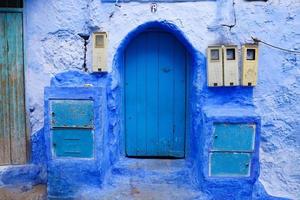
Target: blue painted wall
[55, 56]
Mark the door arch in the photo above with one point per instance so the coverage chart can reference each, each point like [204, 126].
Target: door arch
[155, 95]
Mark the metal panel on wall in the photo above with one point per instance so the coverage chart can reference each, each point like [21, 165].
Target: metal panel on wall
[72, 123]
[73, 143]
[234, 137]
[231, 149]
[72, 113]
[229, 164]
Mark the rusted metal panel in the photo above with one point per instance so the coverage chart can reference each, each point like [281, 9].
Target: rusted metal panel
[72, 113]
[4, 97]
[13, 124]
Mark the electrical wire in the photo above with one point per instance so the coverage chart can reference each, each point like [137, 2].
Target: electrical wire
[256, 40]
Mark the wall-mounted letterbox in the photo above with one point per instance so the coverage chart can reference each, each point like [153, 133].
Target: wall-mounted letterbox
[231, 149]
[250, 64]
[214, 66]
[72, 123]
[231, 62]
[100, 43]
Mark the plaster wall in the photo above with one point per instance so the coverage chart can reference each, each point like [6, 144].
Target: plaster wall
[53, 47]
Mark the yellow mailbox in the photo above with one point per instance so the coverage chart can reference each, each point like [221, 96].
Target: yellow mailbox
[250, 64]
[214, 66]
[100, 43]
[231, 65]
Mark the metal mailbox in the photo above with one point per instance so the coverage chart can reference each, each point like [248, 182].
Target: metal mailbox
[250, 64]
[214, 66]
[230, 164]
[233, 137]
[231, 62]
[72, 143]
[100, 43]
[72, 113]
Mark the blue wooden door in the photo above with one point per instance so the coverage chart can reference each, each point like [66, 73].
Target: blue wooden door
[155, 90]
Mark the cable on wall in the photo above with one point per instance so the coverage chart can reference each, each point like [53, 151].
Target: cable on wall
[256, 40]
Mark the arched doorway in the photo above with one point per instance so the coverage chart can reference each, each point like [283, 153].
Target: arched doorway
[155, 95]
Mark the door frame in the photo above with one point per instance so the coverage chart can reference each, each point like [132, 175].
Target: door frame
[122, 69]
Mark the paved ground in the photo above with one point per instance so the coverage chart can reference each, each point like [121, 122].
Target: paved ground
[23, 193]
[146, 179]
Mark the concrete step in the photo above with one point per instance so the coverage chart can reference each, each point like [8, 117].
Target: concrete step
[144, 191]
[150, 171]
[147, 179]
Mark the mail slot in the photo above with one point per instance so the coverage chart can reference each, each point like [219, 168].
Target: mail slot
[233, 137]
[72, 113]
[230, 164]
[72, 143]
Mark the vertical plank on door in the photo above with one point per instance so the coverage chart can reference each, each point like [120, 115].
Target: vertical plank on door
[165, 92]
[4, 97]
[141, 90]
[152, 94]
[130, 99]
[16, 84]
[179, 79]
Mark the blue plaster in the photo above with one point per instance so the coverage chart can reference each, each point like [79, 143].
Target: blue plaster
[56, 51]
[206, 106]
[210, 102]
[29, 174]
[67, 175]
[38, 155]
[223, 187]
